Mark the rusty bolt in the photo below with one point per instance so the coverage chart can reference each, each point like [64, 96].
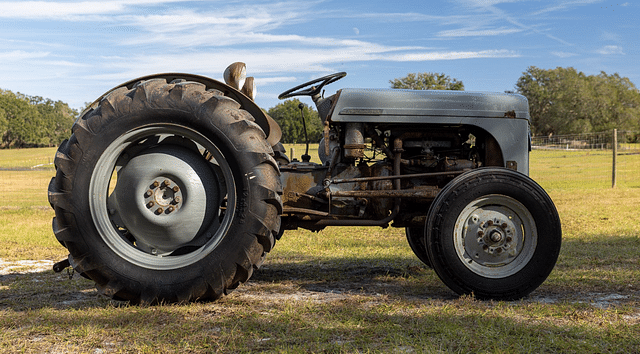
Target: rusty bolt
[490, 222]
[480, 233]
[150, 204]
[166, 182]
[509, 239]
[504, 225]
[496, 236]
[155, 184]
[177, 199]
[176, 189]
[499, 250]
[170, 209]
[159, 211]
[148, 193]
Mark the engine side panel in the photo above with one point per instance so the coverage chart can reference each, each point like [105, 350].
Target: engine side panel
[504, 116]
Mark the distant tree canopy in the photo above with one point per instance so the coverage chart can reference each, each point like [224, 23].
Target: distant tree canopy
[565, 101]
[27, 121]
[427, 81]
[287, 114]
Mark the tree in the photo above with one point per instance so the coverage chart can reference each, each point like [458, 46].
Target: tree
[427, 81]
[33, 121]
[565, 101]
[287, 115]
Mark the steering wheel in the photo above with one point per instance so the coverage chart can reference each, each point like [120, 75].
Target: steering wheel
[313, 90]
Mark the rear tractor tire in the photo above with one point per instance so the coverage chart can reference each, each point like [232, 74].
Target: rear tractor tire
[166, 192]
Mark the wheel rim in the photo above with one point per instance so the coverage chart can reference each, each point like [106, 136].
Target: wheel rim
[162, 197]
[495, 236]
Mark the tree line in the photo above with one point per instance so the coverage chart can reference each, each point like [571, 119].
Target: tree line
[33, 121]
[561, 101]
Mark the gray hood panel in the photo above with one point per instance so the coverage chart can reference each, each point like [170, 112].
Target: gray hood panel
[372, 104]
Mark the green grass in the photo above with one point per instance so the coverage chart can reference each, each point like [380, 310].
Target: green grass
[41, 158]
[346, 289]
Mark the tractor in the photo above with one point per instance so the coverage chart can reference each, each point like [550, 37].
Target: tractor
[174, 187]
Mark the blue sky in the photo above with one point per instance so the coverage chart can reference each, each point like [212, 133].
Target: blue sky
[76, 50]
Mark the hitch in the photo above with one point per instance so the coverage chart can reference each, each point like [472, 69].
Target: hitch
[62, 265]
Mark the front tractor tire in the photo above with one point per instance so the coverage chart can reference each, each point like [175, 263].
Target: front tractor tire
[493, 233]
[166, 192]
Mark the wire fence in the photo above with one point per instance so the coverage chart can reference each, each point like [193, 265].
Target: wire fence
[580, 161]
[628, 141]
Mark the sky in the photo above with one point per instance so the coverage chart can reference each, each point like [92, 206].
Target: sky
[74, 51]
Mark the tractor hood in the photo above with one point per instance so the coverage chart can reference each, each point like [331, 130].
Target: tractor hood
[410, 106]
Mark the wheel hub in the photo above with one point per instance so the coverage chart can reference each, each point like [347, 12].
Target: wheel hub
[494, 236]
[165, 197]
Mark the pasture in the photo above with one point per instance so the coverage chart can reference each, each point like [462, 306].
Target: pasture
[342, 289]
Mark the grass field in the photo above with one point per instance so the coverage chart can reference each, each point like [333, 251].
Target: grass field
[342, 289]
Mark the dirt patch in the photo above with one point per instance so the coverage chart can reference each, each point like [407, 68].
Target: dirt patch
[25, 266]
[32, 283]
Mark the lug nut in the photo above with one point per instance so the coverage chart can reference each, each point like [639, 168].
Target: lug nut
[177, 199]
[166, 182]
[170, 209]
[150, 204]
[155, 184]
[148, 193]
[159, 211]
[504, 225]
[176, 189]
[480, 233]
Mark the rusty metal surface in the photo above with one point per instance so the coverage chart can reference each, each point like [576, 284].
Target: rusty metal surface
[380, 178]
[420, 193]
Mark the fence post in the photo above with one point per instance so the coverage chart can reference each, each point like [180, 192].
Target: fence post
[615, 154]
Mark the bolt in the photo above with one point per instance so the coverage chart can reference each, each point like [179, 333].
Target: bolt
[499, 250]
[496, 236]
[155, 184]
[504, 225]
[170, 209]
[176, 189]
[148, 193]
[490, 222]
[177, 199]
[159, 211]
[166, 182]
[480, 233]
[509, 239]
[150, 204]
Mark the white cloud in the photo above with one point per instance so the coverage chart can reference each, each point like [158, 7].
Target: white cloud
[20, 55]
[476, 32]
[610, 50]
[54, 10]
[564, 54]
[565, 5]
[57, 10]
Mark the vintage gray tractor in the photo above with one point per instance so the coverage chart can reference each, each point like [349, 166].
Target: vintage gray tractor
[174, 187]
